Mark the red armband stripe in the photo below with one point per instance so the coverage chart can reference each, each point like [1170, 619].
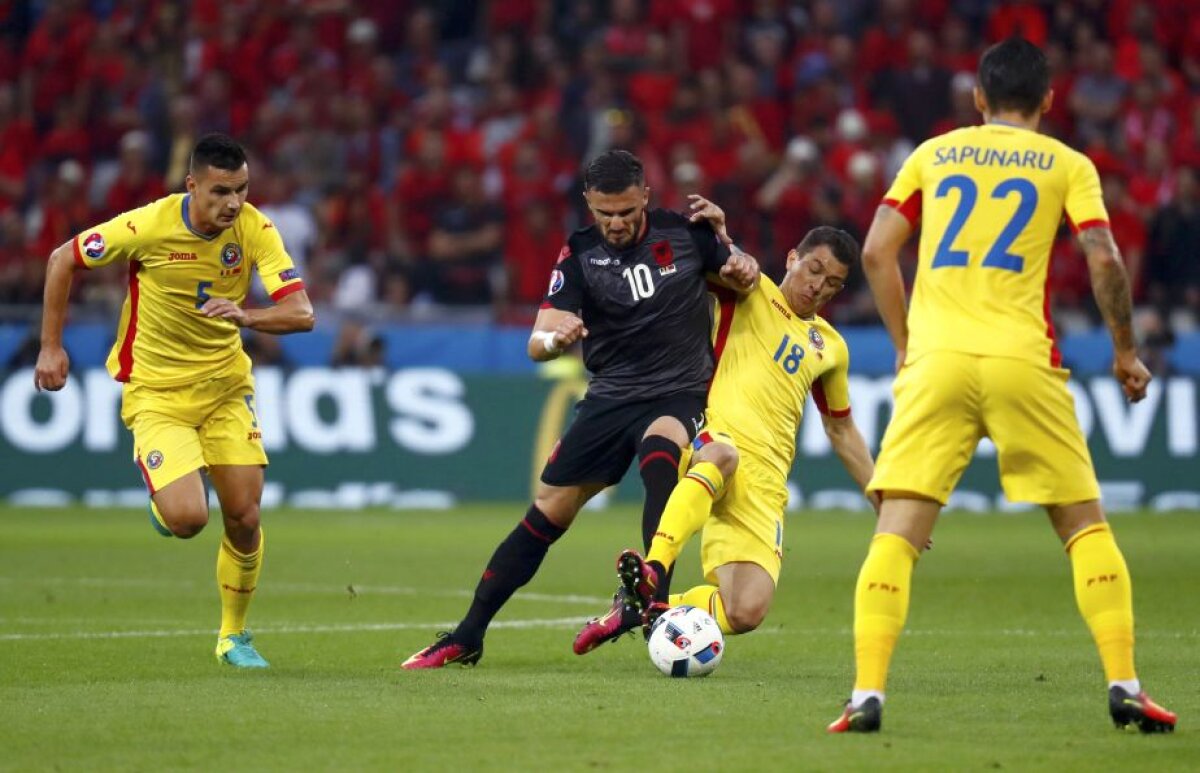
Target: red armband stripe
[910, 207]
[286, 290]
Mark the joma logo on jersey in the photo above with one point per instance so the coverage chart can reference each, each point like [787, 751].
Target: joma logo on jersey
[174, 256]
[779, 307]
[254, 435]
[231, 255]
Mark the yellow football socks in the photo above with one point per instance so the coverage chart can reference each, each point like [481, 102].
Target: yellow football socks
[1104, 594]
[706, 597]
[880, 607]
[237, 577]
[688, 508]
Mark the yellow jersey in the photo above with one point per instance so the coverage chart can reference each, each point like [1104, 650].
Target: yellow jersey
[768, 360]
[990, 199]
[162, 339]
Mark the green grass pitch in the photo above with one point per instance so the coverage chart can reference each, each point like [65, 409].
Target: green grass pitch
[107, 630]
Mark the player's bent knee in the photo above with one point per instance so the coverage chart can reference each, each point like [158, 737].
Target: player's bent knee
[745, 615]
[744, 619]
[724, 456]
[185, 522]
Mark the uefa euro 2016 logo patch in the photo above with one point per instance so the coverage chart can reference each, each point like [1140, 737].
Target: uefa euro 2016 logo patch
[93, 246]
[231, 255]
[556, 281]
[154, 459]
[815, 339]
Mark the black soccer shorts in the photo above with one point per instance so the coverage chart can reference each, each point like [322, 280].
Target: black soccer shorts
[605, 434]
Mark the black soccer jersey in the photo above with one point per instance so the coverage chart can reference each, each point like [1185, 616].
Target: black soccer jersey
[645, 308]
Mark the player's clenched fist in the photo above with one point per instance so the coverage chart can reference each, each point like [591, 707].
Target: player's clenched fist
[50, 373]
[1133, 375]
[741, 269]
[568, 331]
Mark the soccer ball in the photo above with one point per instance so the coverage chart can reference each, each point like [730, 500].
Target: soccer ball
[686, 641]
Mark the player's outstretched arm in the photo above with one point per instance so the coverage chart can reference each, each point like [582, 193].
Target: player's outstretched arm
[851, 447]
[52, 362]
[881, 264]
[1110, 285]
[292, 314]
[553, 331]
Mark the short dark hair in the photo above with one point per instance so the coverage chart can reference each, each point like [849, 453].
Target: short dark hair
[843, 246]
[613, 171]
[219, 151]
[1014, 75]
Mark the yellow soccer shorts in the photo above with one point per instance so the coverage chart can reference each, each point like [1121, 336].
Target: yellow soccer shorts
[180, 429]
[946, 401]
[746, 524]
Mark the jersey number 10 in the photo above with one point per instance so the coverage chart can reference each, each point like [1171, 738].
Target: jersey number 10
[641, 281]
[998, 255]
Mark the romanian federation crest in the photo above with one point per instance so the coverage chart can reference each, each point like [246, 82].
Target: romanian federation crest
[154, 459]
[814, 337]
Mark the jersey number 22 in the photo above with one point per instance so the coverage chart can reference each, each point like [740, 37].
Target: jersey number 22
[998, 255]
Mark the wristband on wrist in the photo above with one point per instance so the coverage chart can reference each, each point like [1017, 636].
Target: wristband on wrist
[548, 342]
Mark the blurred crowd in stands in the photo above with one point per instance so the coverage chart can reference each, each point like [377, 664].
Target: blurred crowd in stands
[423, 158]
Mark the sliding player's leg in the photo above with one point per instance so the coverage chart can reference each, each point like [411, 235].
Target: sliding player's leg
[742, 550]
[713, 459]
[713, 463]
[739, 601]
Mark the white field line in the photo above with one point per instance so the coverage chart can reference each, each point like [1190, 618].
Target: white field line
[300, 587]
[554, 622]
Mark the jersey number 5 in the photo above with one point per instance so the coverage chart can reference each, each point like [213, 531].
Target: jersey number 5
[998, 255]
[202, 293]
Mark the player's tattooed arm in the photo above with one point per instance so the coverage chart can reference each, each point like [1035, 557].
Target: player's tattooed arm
[1110, 284]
